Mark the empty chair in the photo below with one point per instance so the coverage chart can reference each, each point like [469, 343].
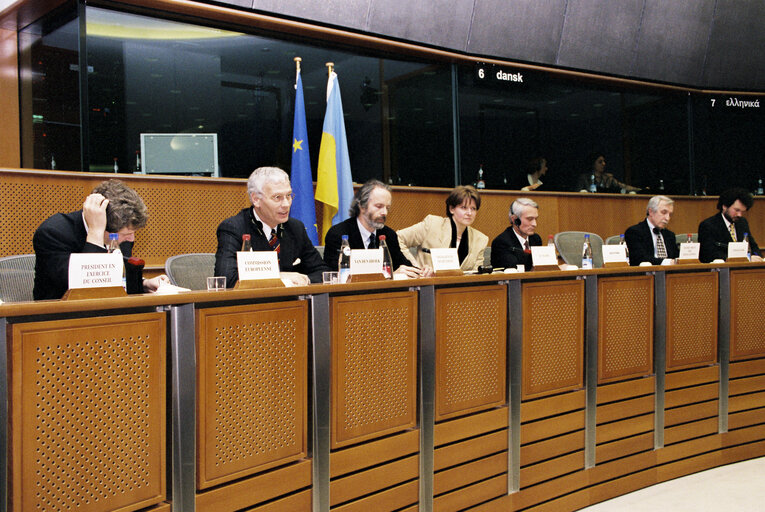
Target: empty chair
[569, 244]
[487, 256]
[17, 278]
[191, 270]
[613, 240]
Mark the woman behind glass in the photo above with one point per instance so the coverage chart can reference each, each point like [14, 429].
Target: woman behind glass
[451, 231]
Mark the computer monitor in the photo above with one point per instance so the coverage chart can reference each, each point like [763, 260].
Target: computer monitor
[179, 153]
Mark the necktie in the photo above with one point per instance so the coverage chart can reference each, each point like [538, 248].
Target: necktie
[732, 229]
[372, 242]
[526, 246]
[661, 249]
[274, 242]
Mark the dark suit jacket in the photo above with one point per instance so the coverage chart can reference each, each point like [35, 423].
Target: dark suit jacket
[640, 244]
[507, 251]
[58, 237]
[294, 244]
[714, 238]
[334, 238]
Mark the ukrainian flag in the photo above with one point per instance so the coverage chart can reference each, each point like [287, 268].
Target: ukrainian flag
[303, 207]
[334, 186]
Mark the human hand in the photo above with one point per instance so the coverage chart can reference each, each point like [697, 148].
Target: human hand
[94, 212]
[153, 284]
[756, 258]
[296, 278]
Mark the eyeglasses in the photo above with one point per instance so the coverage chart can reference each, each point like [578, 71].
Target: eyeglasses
[278, 198]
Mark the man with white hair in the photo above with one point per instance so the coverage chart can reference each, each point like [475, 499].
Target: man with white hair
[271, 228]
[650, 240]
[513, 246]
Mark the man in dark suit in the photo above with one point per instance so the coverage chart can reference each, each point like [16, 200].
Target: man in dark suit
[513, 246]
[727, 226]
[366, 224]
[650, 240]
[112, 207]
[271, 228]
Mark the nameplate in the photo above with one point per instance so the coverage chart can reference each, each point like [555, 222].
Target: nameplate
[255, 265]
[444, 258]
[738, 250]
[689, 251]
[366, 261]
[95, 270]
[544, 256]
[615, 253]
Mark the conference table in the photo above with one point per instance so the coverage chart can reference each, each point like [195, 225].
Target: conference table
[544, 390]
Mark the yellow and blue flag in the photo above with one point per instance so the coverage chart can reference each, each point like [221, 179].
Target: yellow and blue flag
[334, 186]
[303, 207]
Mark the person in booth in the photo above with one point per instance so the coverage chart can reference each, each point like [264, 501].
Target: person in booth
[368, 213]
[650, 240]
[513, 246]
[604, 181]
[271, 228]
[727, 226]
[112, 207]
[531, 178]
[454, 230]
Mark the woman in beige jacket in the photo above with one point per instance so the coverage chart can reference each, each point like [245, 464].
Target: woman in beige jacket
[451, 231]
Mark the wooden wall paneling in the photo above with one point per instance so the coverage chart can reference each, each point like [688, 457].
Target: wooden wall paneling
[552, 468]
[747, 368]
[391, 499]
[542, 492]
[10, 137]
[474, 448]
[624, 447]
[372, 453]
[748, 401]
[531, 453]
[299, 501]
[625, 428]
[461, 476]
[356, 485]
[471, 495]
[744, 419]
[625, 327]
[691, 319]
[692, 377]
[631, 388]
[471, 339]
[686, 431]
[745, 385]
[252, 386]
[469, 426]
[551, 427]
[553, 337]
[374, 366]
[557, 404]
[747, 305]
[87, 415]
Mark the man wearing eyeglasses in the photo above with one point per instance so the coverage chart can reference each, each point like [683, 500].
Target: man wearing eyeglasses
[271, 228]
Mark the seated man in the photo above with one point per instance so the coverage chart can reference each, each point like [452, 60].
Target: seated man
[513, 246]
[271, 228]
[650, 240]
[366, 224]
[727, 226]
[111, 208]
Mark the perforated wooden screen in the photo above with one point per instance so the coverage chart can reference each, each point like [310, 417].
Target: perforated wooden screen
[747, 292]
[691, 319]
[88, 413]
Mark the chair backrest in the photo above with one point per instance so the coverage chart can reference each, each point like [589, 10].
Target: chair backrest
[569, 244]
[17, 278]
[320, 250]
[487, 256]
[191, 270]
[612, 240]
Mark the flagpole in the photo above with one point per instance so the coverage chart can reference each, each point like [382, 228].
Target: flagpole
[330, 66]
[297, 66]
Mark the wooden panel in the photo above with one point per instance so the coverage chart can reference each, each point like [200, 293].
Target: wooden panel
[750, 401]
[374, 365]
[460, 476]
[625, 409]
[392, 499]
[551, 427]
[746, 368]
[691, 319]
[251, 389]
[694, 377]
[476, 493]
[625, 327]
[552, 468]
[471, 340]
[553, 337]
[549, 406]
[746, 385]
[373, 480]
[455, 430]
[556, 487]
[475, 448]
[553, 447]
[372, 453]
[676, 434]
[745, 418]
[299, 501]
[605, 471]
[257, 489]
[624, 428]
[87, 413]
[691, 395]
[627, 389]
[747, 309]
[10, 151]
[624, 447]
[690, 413]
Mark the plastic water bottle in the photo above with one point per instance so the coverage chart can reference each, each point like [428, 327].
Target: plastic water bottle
[246, 242]
[623, 242]
[387, 266]
[116, 166]
[593, 187]
[748, 251]
[759, 187]
[344, 261]
[479, 183]
[586, 253]
[114, 245]
[689, 238]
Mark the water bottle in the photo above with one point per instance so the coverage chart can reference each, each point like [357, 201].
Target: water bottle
[137, 161]
[479, 183]
[116, 166]
[593, 187]
[586, 253]
[344, 261]
[689, 238]
[53, 164]
[759, 187]
[623, 242]
[748, 251]
[661, 185]
[114, 245]
[246, 242]
[387, 266]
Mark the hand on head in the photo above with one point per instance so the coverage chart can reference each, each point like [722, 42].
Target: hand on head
[94, 211]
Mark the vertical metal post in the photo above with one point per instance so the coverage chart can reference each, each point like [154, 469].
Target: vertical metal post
[184, 407]
[4, 378]
[427, 364]
[723, 347]
[456, 124]
[82, 62]
[591, 369]
[514, 363]
[322, 367]
[659, 355]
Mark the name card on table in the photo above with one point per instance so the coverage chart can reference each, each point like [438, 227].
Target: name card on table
[444, 258]
[95, 270]
[738, 250]
[366, 261]
[689, 251]
[254, 265]
[543, 256]
[614, 253]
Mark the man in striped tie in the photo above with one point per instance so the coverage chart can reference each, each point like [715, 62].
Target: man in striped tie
[271, 228]
[650, 240]
[729, 225]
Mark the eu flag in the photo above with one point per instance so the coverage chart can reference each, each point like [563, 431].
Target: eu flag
[303, 207]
